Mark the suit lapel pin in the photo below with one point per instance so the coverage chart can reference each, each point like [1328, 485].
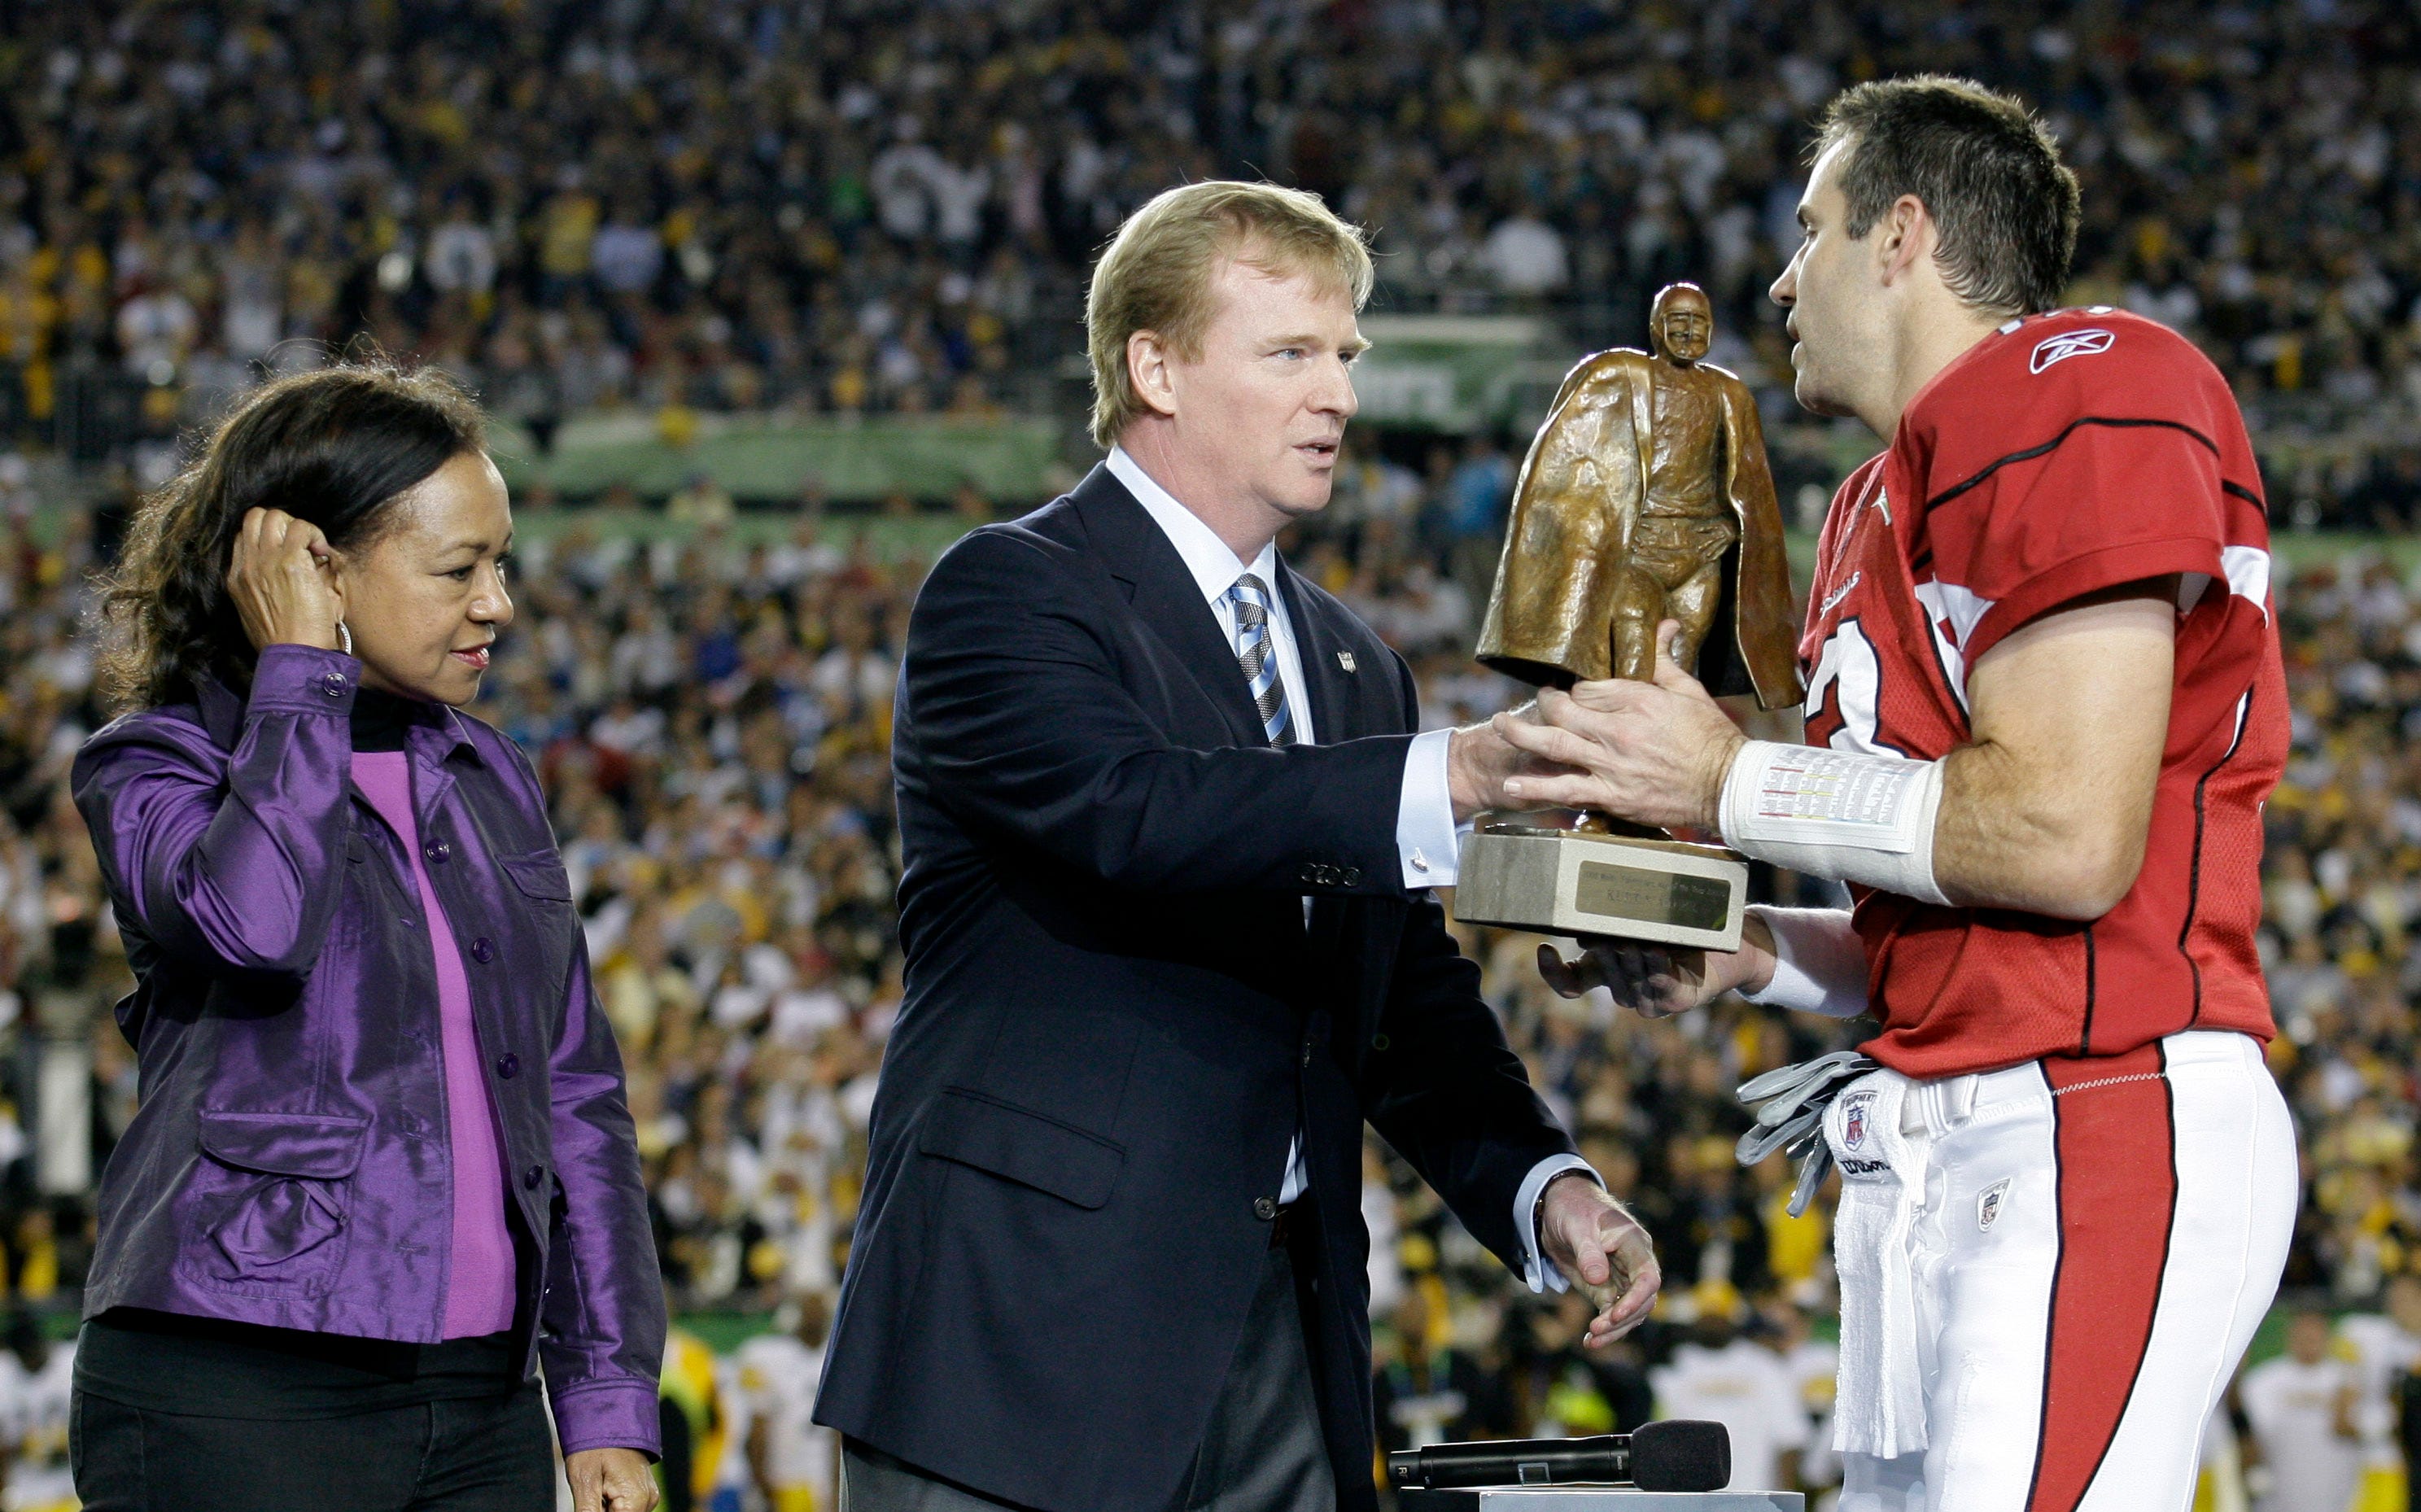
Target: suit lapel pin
[1345, 660]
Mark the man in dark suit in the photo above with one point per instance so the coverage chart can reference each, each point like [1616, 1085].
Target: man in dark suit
[1169, 836]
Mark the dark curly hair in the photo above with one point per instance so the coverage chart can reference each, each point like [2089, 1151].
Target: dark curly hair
[332, 447]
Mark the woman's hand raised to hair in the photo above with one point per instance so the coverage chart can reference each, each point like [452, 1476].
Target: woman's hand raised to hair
[284, 582]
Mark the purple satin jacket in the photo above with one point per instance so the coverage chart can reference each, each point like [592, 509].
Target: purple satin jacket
[290, 1164]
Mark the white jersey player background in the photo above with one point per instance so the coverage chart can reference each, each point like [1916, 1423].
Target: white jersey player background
[35, 1381]
[775, 1445]
[2300, 1408]
[1721, 1377]
[2381, 1348]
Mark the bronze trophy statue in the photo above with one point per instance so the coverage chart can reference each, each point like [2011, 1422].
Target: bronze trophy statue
[1645, 497]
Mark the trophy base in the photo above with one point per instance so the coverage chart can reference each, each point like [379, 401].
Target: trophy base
[1573, 882]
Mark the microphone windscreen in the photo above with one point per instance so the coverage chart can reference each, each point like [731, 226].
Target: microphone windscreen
[1681, 1454]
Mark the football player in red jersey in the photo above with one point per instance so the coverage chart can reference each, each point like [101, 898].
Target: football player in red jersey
[2045, 705]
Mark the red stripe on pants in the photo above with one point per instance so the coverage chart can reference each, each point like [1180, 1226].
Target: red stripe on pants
[2117, 1147]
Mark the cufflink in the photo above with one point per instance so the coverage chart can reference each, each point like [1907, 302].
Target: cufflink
[1420, 862]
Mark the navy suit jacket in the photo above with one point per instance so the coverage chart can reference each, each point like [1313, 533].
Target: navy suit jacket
[1116, 1018]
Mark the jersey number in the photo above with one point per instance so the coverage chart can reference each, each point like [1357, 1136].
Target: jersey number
[1843, 695]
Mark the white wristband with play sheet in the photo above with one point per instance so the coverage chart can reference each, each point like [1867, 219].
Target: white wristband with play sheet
[1841, 815]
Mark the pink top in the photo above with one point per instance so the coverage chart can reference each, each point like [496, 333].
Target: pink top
[479, 1289]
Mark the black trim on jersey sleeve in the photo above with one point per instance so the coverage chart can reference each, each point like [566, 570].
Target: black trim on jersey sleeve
[2092, 989]
[2194, 877]
[2053, 444]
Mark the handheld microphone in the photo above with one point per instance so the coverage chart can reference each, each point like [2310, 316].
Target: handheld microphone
[1679, 1455]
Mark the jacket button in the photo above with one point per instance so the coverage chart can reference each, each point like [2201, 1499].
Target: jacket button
[509, 1066]
[335, 684]
[437, 850]
[1265, 1208]
[483, 950]
[1352, 875]
[532, 1176]
[1309, 875]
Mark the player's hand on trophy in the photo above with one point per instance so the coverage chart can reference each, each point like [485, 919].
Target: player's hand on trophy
[1600, 1247]
[1659, 981]
[1653, 753]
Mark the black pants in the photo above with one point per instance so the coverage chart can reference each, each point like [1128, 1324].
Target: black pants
[1263, 1452]
[466, 1455]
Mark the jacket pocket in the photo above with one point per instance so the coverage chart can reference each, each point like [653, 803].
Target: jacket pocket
[273, 1194]
[327, 1147]
[539, 875]
[1026, 1147]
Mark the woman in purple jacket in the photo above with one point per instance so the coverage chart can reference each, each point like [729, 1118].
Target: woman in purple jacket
[383, 1169]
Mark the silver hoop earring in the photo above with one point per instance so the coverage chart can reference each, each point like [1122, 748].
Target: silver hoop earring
[344, 638]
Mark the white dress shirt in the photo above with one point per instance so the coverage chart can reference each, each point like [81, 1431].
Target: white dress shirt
[1426, 837]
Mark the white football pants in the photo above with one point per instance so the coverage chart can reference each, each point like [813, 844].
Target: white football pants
[2098, 1240]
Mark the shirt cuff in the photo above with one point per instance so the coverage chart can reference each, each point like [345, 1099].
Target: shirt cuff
[303, 679]
[1538, 1271]
[1426, 833]
[613, 1414]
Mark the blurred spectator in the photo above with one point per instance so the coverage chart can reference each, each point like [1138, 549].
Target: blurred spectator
[1477, 495]
[701, 502]
[1525, 256]
[35, 1380]
[2382, 1348]
[788, 1460]
[2300, 1408]
[1428, 1391]
[1718, 1376]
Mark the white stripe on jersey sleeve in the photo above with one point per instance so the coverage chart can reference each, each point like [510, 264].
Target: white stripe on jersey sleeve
[1952, 613]
[2248, 578]
[2248, 574]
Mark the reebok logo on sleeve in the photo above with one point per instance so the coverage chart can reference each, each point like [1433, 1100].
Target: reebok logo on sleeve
[2070, 344]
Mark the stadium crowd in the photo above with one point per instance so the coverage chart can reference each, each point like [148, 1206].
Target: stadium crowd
[849, 206]
[711, 721]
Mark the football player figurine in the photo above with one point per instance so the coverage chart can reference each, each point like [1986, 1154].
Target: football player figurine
[1647, 497]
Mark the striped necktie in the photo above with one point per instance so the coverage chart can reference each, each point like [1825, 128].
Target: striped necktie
[1258, 657]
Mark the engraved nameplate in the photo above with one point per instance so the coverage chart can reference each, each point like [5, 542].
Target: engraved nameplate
[1659, 896]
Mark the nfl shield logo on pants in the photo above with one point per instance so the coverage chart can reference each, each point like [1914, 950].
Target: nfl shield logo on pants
[1990, 1202]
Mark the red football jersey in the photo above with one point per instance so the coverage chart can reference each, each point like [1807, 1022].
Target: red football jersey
[2064, 454]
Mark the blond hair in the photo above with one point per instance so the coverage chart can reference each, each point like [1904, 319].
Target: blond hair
[1156, 274]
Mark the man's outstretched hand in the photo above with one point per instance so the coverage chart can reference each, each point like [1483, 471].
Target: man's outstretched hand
[1653, 753]
[1602, 1249]
[1479, 759]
